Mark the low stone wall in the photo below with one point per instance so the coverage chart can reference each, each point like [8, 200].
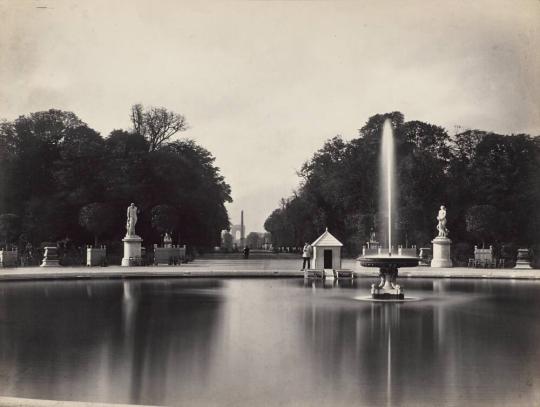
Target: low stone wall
[407, 251]
[8, 258]
[169, 255]
[96, 256]
[24, 402]
[370, 251]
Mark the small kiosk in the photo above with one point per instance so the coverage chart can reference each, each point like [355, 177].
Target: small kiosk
[327, 258]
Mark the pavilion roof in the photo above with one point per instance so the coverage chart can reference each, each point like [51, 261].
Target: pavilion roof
[327, 239]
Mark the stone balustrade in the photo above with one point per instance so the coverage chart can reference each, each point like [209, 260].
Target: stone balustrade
[96, 256]
[8, 258]
[173, 254]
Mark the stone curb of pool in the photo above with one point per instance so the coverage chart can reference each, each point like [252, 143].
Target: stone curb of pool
[117, 272]
[24, 402]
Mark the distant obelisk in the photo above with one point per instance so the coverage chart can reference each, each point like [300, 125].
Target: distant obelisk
[242, 230]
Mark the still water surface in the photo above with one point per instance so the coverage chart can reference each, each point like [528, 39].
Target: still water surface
[247, 342]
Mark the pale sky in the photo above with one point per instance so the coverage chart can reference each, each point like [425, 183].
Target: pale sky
[264, 84]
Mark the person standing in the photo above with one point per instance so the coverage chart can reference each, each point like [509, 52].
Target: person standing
[306, 256]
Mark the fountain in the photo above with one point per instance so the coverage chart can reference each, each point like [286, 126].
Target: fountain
[388, 263]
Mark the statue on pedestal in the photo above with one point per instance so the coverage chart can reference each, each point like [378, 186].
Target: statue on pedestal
[441, 218]
[372, 237]
[133, 252]
[131, 219]
[167, 240]
[441, 244]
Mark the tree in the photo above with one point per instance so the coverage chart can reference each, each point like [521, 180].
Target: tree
[32, 143]
[280, 227]
[7, 137]
[502, 171]
[227, 241]
[186, 174]
[77, 175]
[482, 222]
[97, 218]
[127, 170]
[339, 187]
[428, 138]
[50, 125]
[253, 240]
[164, 218]
[52, 165]
[156, 124]
[9, 227]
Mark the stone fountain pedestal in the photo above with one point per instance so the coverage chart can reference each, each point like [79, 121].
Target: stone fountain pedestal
[441, 252]
[387, 287]
[132, 250]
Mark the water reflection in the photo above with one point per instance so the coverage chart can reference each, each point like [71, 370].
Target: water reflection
[104, 341]
[284, 342]
[442, 348]
[329, 283]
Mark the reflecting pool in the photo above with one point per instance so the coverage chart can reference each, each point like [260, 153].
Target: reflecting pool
[248, 342]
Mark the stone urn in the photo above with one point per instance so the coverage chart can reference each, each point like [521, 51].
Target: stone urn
[523, 259]
[50, 257]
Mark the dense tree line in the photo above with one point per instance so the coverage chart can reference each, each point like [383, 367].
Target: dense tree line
[489, 182]
[61, 180]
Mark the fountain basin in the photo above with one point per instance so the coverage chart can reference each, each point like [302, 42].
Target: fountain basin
[387, 288]
[176, 341]
[385, 261]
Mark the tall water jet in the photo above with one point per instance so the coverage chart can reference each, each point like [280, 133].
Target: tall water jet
[387, 178]
[387, 288]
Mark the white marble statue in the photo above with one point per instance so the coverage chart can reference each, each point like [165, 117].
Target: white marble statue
[167, 240]
[131, 219]
[441, 226]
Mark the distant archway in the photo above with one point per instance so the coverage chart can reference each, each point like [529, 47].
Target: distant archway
[238, 233]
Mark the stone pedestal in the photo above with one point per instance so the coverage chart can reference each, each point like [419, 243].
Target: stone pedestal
[132, 251]
[441, 252]
[387, 289]
[523, 260]
[167, 241]
[50, 257]
[329, 274]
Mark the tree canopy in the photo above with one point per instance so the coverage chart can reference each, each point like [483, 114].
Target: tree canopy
[339, 187]
[156, 124]
[97, 218]
[58, 177]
